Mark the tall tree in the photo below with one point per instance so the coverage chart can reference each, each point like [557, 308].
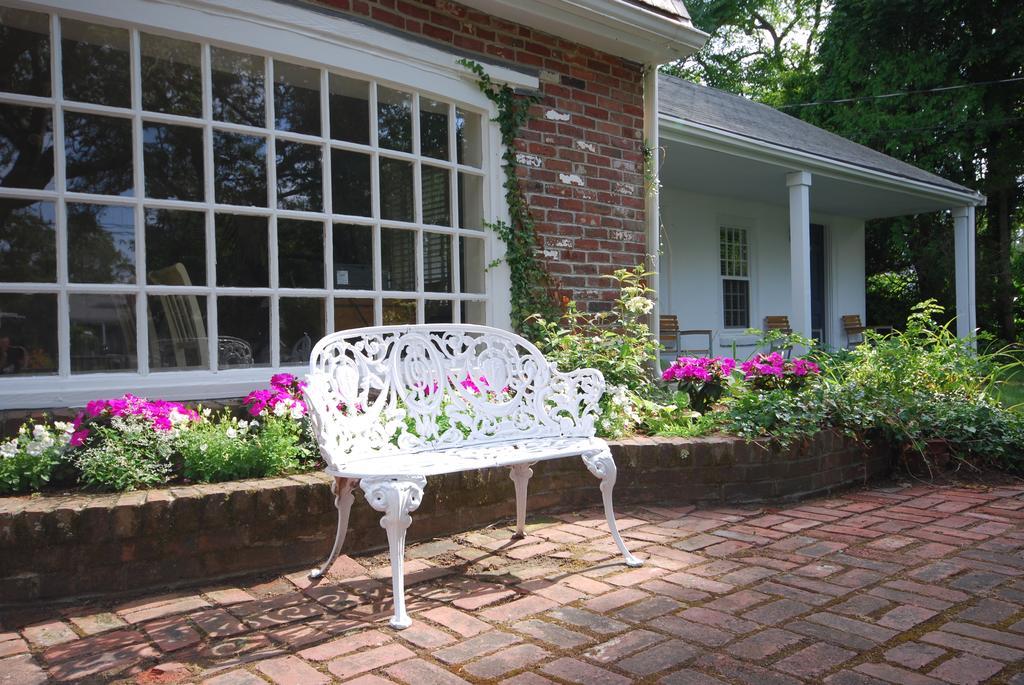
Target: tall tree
[972, 134]
[763, 49]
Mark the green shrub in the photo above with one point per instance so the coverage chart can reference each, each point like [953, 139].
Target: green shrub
[28, 460]
[618, 343]
[229, 449]
[126, 454]
[783, 414]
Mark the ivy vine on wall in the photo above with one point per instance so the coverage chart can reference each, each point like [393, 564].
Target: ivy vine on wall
[531, 285]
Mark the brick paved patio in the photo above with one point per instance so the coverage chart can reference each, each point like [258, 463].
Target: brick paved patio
[915, 586]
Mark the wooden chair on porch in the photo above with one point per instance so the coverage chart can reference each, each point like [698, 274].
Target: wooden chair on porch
[778, 323]
[854, 329]
[675, 341]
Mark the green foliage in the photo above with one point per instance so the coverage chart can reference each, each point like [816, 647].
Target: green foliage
[229, 449]
[924, 384]
[530, 282]
[126, 454]
[890, 296]
[617, 342]
[29, 459]
[779, 413]
[763, 49]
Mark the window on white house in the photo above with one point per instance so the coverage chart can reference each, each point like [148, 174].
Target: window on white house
[735, 272]
[167, 204]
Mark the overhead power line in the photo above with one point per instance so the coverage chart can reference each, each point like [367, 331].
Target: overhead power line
[901, 93]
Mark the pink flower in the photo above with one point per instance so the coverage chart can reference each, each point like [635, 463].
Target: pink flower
[78, 437]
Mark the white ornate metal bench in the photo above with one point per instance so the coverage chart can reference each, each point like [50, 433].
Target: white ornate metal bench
[392, 405]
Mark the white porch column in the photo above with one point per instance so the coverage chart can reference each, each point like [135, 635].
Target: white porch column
[652, 206]
[799, 183]
[963, 236]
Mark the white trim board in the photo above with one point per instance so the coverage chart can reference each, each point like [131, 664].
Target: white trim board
[711, 138]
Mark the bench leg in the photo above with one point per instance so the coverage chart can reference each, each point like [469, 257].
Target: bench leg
[520, 475]
[603, 466]
[342, 489]
[396, 497]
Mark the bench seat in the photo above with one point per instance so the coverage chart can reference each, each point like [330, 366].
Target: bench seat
[464, 458]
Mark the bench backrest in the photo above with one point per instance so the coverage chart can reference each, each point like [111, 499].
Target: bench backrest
[416, 388]
[851, 322]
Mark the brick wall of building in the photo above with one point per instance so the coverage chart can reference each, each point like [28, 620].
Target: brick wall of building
[581, 155]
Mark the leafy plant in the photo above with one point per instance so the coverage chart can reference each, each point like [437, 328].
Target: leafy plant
[778, 413]
[126, 454]
[232, 449]
[28, 460]
[702, 379]
[618, 343]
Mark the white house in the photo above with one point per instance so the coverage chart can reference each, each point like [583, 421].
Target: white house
[763, 215]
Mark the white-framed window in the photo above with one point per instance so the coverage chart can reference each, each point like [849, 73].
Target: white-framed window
[734, 261]
[169, 203]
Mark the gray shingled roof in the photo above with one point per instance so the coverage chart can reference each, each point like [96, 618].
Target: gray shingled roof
[738, 115]
[672, 8]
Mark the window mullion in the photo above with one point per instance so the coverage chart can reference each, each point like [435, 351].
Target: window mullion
[275, 316]
[63, 302]
[208, 192]
[378, 279]
[141, 305]
[327, 185]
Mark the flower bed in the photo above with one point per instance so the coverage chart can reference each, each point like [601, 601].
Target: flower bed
[61, 546]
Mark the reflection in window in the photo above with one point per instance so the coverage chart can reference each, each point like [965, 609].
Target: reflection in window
[24, 52]
[177, 332]
[171, 77]
[300, 253]
[437, 311]
[26, 147]
[299, 176]
[302, 324]
[471, 264]
[350, 312]
[242, 254]
[398, 259]
[396, 198]
[399, 312]
[240, 169]
[436, 196]
[353, 257]
[394, 119]
[95, 63]
[350, 182]
[243, 332]
[474, 312]
[173, 161]
[433, 128]
[98, 154]
[102, 333]
[468, 137]
[28, 334]
[28, 242]
[296, 98]
[471, 201]
[437, 262]
[238, 87]
[350, 109]
[175, 247]
[101, 243]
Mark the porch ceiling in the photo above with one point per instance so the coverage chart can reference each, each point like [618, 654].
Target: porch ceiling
[698, 168]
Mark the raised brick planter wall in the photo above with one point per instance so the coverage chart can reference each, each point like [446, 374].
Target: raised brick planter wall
[54, 547]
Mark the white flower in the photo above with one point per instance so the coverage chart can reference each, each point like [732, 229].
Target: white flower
[177, 417]
[280, 409]
[296, 412]
[34, 448]
[203, 447]
[38, 431]
[243, 425]
[9, 448]
[640, 305]
[231, 433]
[207, 411]
[64, 426]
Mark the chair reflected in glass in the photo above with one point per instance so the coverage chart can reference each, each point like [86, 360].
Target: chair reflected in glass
[177, 333]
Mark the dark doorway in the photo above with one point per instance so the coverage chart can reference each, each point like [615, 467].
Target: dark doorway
[818, 282]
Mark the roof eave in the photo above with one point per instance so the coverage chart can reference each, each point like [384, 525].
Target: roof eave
[682, 130]
[613, 26]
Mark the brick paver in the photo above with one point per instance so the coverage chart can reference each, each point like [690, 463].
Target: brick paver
[920, 585]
